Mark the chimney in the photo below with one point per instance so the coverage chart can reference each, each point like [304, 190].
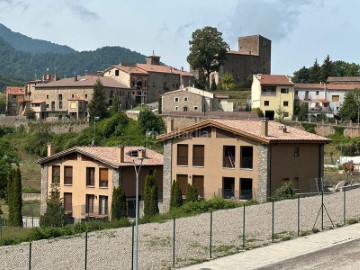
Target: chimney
[50, 149]
[169, 124]
[264, 127]
[121, 154]
[142, 153]
[75, 78]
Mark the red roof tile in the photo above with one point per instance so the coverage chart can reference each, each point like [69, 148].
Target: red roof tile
[163, 69]
[15, 90]
[267, 79]
[253, 129]
[328, 86]
[131, 70]
[109, 155]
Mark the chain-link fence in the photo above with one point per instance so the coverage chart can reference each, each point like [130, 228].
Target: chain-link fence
[182, 241]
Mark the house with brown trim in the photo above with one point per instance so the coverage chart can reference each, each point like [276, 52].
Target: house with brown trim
[87, 175]
[242, 159]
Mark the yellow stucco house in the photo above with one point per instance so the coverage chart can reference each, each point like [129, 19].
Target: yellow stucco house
[87, 175]
[242, 159]
[274, 95]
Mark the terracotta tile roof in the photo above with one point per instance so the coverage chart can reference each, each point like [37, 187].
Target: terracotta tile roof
[84, 81]
[329, 86]
[163, 69]
[15, 90]
[344, 79]
[109, 155]
[252, 129]
[267, 79]
[132, 70]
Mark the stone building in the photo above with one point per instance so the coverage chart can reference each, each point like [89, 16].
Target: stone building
[252, 57]
[70, 96]
[242, 159]
[15, 100]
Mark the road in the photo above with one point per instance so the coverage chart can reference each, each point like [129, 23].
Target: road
[344, 256]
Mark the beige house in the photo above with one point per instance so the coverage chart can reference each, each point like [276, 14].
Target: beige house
[194, 100]
[242, 159]
[58, 96]
[274, 95]
[86, 177]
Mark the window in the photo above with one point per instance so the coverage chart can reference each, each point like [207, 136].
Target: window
[103, 177]
[182, 180]
[55, 174]
[196, 108]
[182, 154]
[228, 187]
[47, 96]
[246, 189]
[296, 151]
[185, 108]
[286, 103]
[68, 175]
[284, 90]
[176, 99]
[186, 99]
[286, 114]
[73, 105]
[60, 104]
[317, 93]
[198, 155]
[90, 176]
[198, 182]
[60, 96]
[89, 203]
[246, 157]
[85, 95]
[176, 108]
[266, 103]
[229, 156]
[68, 203]
[103, 205]
[116, 72]
[72, 95]
[296, 92]
[335, 98]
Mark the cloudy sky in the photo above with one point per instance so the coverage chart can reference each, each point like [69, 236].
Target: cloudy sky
[300, 30]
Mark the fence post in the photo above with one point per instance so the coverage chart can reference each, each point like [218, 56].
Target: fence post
[132, 246]
[244, 219]
[86, 246]
[30, 250]
[174, 235]
[298, 220]
[272, 220]
[322, 210]
[344, 205]
[210, 248]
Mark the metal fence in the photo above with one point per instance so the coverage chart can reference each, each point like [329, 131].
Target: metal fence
[182, 241]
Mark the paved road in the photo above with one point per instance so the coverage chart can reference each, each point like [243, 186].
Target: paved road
[340, 257]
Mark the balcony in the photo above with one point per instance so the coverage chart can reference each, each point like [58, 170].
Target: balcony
[268, 93]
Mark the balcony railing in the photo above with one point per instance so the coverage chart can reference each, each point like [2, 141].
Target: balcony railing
[268, 93]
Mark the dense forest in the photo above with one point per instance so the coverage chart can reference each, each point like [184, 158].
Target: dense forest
[25, 58]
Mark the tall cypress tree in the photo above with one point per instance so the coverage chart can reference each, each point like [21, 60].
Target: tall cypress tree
[150, 195]
[176, 195]
[97, 105]
[54, 215]
[191, 193]
[326, 69]
[14, 198]
[118, 204]
[315, 73]
[10, 196]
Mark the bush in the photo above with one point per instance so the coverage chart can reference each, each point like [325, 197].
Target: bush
[286, 191]
[191, 193]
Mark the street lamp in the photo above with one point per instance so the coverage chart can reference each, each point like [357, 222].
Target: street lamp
[137, 167]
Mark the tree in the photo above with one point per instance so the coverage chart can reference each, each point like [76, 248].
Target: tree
[97, 106]
[55, 214]
[326, 69]
[148, 121]
[301, 76]
[227, 80]
[301, 110]
[314, 76]
[150, 195]
[175, 196]
[348, 110]
[8, 156]
[118, 204]
[191, 193]
[280, 115]
[29, 113]
[14, 198]
[207, 51]
[2, 104]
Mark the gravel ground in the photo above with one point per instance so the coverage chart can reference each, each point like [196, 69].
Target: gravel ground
[111, 249]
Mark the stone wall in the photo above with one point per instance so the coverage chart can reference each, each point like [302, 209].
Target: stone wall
[44, 189]
[167, 181]
[263, 186]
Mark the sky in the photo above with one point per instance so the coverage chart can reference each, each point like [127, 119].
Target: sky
[300, 30]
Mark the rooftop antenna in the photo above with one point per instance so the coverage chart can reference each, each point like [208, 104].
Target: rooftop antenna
[153, 52]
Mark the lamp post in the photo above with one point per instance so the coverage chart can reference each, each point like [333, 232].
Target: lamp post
[137, 168]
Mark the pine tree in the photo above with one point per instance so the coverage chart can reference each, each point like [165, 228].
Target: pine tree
[150, 195]
[97, 105]
[176, 196]
[118, 204]
[54, 215]
[191, 193]
[326, 69]
[315, 73]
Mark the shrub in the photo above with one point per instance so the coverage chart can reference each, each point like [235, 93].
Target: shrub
[191, 193]
[286, 191]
